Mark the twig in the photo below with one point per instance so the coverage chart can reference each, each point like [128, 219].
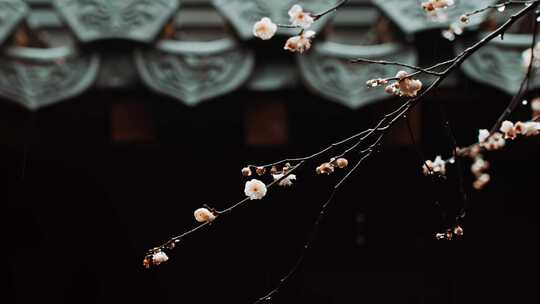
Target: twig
[385, 62]
[317, 16]
[305, 248]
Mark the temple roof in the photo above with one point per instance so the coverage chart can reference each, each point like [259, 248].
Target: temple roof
[195, 50]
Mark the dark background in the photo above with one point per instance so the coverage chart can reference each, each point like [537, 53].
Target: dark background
[91, 184]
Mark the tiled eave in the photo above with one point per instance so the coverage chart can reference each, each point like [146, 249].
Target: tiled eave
[125, 52]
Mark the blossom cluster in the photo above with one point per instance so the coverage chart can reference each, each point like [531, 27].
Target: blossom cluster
[329, 167]
[155, 259]
[488, 141]
[433, 5]
[449, 234]
[437, 166]
[478, 169]
[265, 29]
[403, 85]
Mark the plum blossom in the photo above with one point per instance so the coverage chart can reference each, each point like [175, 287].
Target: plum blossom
[405, 86]
[255, 189]
[481, 181]
[483, 135]
[299, 18]
[529, 128]
[440, 236]
[458, 230]
[454, 30]
[326, 168]
[494, 142]
[342, 162]
[479, 166]
[260, 171]
[438, 165]
[246, 171]
[432, 5]
[204, 215]
[287, 181]
[265, 29]
[508, 129]
[376, 82]
[159, 257]
[300, 43]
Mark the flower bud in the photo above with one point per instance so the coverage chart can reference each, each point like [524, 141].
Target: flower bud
[260, 170]
[342, 162]
[204, 215]
[458, 230]
[326, 168]
[246, 171]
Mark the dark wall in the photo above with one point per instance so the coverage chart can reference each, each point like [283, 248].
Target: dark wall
[81, 209]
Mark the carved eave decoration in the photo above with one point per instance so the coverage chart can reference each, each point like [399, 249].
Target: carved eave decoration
[409, 16]
[498, 63]
[327, 70]
[12, 13]
[192, 72]
[135, 20]
[35, 78]
[242, 14]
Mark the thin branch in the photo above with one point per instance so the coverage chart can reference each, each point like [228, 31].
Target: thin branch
[385, 62]
[524, 83]
[170, 243]
[497, 6]
[303, 254]
[380, 130]
[317, 16]
[330, 10]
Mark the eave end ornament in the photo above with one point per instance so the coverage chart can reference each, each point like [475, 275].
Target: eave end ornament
[135, 20]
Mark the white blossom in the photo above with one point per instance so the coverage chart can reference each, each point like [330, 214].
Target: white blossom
[456, 28]
[255, 189]
[300, 43]
[376, 82]
[508, 129]
[483, 135]
[432, 5]
[287, 181]
[326, 168]
[298, 17]
[528, 128]
[458, 231]
[481, 181]
[204, 215]
[246, 171]
[159, 257]
[405, 86]
[448, 35]
[342, 162]
[265, 28]
[479, 166]
[494, 142]
[438, 165]
[440, 236]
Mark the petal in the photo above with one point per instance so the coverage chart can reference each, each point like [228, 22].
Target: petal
[309, 34]
[295, 9]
